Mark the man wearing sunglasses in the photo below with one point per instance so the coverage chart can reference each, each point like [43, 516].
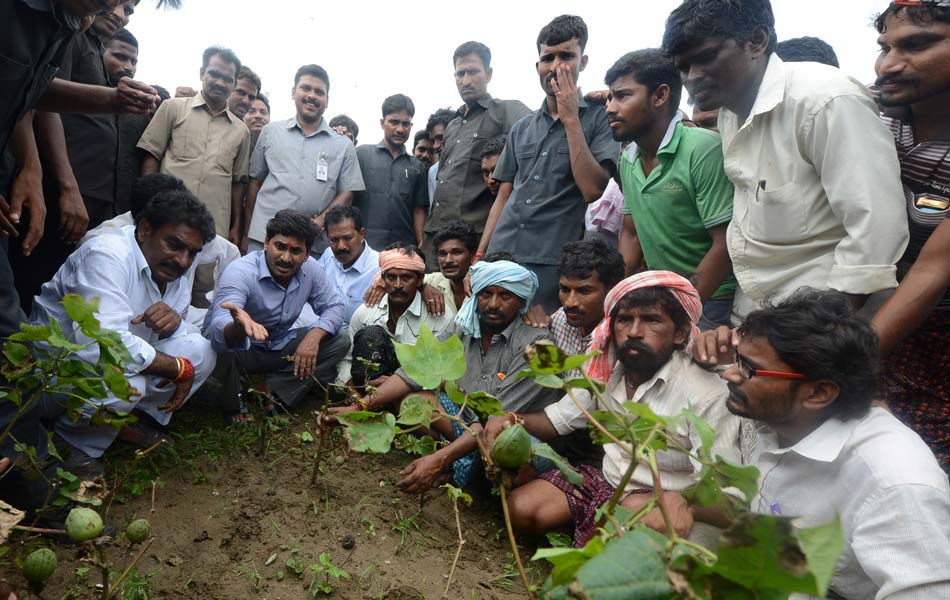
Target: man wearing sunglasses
[806, 371]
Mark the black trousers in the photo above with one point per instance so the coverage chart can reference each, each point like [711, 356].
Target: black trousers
[279, 370]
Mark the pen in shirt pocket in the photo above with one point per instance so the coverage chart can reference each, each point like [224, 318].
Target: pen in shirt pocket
[761, 186]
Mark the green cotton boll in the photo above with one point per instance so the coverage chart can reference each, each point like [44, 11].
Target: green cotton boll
[83, 524]
[39, 565]
[512, 447]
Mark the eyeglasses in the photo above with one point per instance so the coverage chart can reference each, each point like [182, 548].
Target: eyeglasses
[748, 371]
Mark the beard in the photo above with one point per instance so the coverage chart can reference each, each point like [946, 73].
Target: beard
[646, 360]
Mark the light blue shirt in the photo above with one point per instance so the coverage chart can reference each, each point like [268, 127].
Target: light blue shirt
[248, 284]
[354, 280]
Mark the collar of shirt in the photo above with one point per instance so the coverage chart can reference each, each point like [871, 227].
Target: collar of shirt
[382, 146]
[771, 92]
[264, 273]
[659, 378]
[367, 261]
[633, 151]
[141, 265]
[824, 444]
[198, 101]
[415, 309]
[324, 127]
[484, 102]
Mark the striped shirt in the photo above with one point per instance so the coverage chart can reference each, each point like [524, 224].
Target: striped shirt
[925, 173]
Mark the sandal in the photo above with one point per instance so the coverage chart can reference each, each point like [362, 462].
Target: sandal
[241, 416]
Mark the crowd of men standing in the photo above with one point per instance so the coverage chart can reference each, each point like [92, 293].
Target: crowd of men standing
[750, 233]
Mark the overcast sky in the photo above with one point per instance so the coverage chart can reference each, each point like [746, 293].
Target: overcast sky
[374, 49]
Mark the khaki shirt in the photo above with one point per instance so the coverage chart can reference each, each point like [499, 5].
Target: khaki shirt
[208, 152]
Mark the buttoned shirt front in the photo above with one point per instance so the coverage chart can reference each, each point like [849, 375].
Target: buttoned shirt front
[248, 284]
[395, 188]
[354, 280]
[444, 285]
[92, 141]
[546, 208]
[286, 161]
[883, 483]
[818, 198]
[208, 152]
[461, 192]
[679, 384]
[568, 337]
[113, 269]
[408, 326]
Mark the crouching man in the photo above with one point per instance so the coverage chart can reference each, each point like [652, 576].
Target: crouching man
[258, 299]
[139, 278]
[806, 371]
[649, 321]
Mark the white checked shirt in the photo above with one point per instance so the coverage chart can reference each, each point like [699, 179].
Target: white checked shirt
[678, 385]
[884, 484]
[818, 198]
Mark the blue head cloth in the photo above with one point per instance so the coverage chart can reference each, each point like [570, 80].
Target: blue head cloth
[511, 276]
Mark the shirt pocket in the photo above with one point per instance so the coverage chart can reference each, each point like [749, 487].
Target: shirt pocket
[187, 140]
[675, 461]
[560, 161]
[227, 152]
[776, 215]
[13, 76]
[526, 157]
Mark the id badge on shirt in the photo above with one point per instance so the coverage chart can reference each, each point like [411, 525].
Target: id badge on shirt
[323, 167]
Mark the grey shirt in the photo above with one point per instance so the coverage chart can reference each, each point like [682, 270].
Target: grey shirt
[395, 187]
[285, 160]
[496, 371]
[461, 192]
[546, 208]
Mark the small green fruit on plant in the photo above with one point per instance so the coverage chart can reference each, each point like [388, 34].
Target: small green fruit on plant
[138, 531]
[512, 447]
[83, 524]
[39, 565]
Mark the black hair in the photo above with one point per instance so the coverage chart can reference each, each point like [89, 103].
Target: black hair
[407, 249]
[919, 15]
[347, 122]
[314, 71]
[494, 146]
[247, 73]
[562, 29]
[440, 117]
[147, 187]
[226, 55]
[651, 68]
[807, 49]
[175, 207]
[457, 230]
[422, 134]
[264, 99]
[818, 334]
[477, 48]
[124, 35]
[398, 103]
[340, 213]
[696, 20]
[581, 258]
[292, 224]
[657, 295]
[498, 255]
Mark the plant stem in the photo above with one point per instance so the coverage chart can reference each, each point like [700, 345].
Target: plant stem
[628, 474]
[658, 494]
[104, 569]
[458, 552]
[702, 550]
[596, 423]
[128, 569]
[323, 442]
[40, 530]
[511, 539]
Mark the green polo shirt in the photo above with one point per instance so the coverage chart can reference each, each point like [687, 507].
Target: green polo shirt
[686, 194]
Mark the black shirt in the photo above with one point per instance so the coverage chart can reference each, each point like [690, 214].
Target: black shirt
[395, 187]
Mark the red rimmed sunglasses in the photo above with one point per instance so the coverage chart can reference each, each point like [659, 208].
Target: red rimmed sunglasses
[748, 371]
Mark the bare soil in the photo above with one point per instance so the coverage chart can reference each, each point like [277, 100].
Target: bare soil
[230, 516]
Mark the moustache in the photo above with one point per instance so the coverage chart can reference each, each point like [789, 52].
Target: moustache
[449, 267]
[493, 313]
[637, 345]
[283, 265]
[574, 312]
[736, 392]
[174, 268]
[893, 79]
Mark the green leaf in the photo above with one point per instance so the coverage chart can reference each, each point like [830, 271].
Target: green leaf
[82, 311]
[721, 474]
[421, 446]
[30, 333]
[567, 561]
[559, 540]
[545, 451]
[117, 383]
[632, 567]
[18, 354]
[624, 426]
[545, 358]
[484, 404]
[106, 416]
[429, 362]
[57, 339]
[457, 494]
[305, 437]
[584, 383]
[645, 413]
[415, 410]
[706, 433]
[369, 431]
[763, 552]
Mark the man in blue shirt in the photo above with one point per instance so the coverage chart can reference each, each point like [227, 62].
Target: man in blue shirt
[351, 263]
[257, 301]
